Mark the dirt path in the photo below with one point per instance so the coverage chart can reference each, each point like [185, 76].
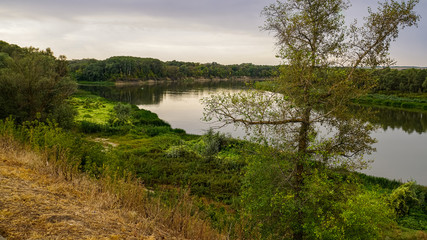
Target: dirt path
[35, 205]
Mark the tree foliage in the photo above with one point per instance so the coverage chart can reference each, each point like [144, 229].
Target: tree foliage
[134, 68]
[34, 84]
[310, 119]
[406, 80]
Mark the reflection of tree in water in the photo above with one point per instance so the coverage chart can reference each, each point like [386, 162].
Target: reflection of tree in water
[131, 94]
[154, 93]
[398, 119]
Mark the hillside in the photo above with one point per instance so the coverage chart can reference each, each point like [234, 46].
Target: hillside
[39, 203]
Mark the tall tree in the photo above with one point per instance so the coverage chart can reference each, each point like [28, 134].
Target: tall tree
[319, 76]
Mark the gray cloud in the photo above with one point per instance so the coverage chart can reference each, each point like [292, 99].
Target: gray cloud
[225, 31]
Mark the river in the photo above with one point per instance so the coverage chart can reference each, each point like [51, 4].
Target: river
[402, 135]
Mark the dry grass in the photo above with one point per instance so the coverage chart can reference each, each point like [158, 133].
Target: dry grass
[39, 201]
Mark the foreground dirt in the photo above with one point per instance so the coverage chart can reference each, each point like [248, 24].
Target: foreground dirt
[36, 205]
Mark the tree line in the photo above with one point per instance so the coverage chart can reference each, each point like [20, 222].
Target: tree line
[412, 80]
[121, 68]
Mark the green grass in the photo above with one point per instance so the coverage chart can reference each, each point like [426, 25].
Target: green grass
[417, 102]
[92, 108]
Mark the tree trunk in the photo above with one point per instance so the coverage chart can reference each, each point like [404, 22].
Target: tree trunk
[299, 176]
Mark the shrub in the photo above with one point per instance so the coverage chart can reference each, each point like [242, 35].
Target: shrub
[403, 198]
[408, 105]
[91, 127]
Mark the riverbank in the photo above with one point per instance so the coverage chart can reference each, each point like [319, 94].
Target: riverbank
[180, 161]
[414, 102]
[120, 140]
[138, 82]
[392, 100]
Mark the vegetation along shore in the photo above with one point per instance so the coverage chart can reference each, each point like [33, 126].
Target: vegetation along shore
[76, 165]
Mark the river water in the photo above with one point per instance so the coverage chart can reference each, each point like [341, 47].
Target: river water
[402, 135]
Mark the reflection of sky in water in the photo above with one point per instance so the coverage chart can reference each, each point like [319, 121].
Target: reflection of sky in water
[185, 111]
[399, 155]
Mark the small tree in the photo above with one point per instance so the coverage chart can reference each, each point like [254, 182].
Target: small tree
[320, 75]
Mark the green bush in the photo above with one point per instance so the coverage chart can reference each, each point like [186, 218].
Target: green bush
[403, 198]
[154, 130]
[396, 104]
[408, 105]
[91, 127]
[414, 221]
[334, 206]
[378, 101]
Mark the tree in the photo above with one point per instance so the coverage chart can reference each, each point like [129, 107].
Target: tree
[34, 85]
[319, 77]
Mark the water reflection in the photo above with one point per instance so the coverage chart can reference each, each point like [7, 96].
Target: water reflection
[149, 94]
[405, 120]
[154, 94]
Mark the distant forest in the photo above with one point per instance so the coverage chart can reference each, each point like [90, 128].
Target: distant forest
[135, 68]
[413, 80]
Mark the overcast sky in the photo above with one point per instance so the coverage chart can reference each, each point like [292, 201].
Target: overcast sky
[223, 31]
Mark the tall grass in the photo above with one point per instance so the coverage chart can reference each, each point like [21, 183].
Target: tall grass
[72, 158]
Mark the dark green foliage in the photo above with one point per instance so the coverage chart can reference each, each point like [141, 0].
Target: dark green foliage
[121, 115]
[416, 221]
[34, 85]
[406, 80]
[91, 127]
[372, 182]
[136, 69]
[214, 142]
[153, 131]
[336, 206]
[393, 101]
[145, 117]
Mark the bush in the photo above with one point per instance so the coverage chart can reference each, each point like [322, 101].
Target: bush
[408, 105]
[91, 127]
[214, 142]
[414, 221]
[404, 198]
[396, 104]
[153, 131]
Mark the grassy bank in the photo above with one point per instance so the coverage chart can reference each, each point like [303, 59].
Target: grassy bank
[66, 180]
[416, 102]
[212, 166]
[194, 182]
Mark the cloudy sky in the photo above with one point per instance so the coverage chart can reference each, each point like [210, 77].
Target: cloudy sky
[223, 31]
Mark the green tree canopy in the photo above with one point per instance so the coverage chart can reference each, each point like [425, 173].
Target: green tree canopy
[34, 84]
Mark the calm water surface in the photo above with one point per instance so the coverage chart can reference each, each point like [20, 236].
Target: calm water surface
[402, 136]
